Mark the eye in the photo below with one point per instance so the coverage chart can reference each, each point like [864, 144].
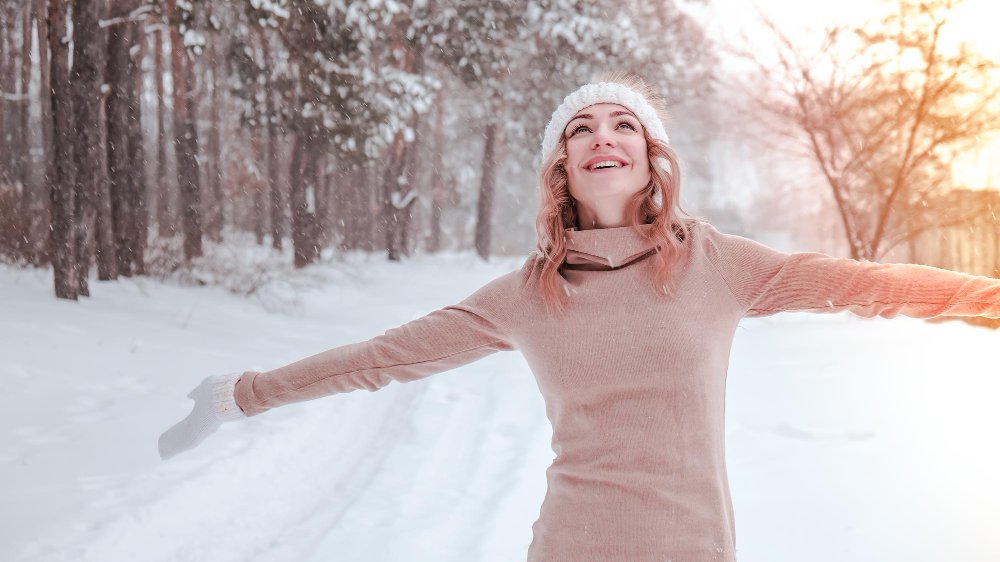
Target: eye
[578, 127]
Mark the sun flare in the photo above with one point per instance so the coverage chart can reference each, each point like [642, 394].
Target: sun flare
[974, 21]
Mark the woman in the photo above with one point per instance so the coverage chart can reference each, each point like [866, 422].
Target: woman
[626, 314]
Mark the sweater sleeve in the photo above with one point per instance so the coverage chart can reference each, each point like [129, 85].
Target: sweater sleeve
[766, 281]
[479, 325]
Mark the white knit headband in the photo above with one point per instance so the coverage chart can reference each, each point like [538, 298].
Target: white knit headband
[601, 92]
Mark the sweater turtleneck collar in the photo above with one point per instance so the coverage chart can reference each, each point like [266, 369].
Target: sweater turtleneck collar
[606, 248]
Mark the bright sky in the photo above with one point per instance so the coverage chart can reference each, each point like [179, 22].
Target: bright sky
[973, 21]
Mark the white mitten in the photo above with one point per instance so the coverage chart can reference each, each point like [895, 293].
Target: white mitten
[214, 404]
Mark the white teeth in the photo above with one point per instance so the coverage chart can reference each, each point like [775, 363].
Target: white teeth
[605, 164]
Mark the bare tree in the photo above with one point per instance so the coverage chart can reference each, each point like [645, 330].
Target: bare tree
[185, 134]
[92, 222]
[277, 209]
[5, 32]
[396, 192]
[487, 180]
[302, 197]
[61, 181]
[216, 210]
[164, 208]
[117, 114]
[883, 110]
[137, 188]
[437, 189]
[39, 232]
[23, 154]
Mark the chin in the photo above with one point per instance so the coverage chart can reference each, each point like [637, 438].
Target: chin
[607, 188]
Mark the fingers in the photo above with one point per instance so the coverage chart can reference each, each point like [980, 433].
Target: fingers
[166, 451]
[179, 438]
[193, 429]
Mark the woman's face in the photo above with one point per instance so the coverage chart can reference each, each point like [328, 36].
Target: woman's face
[605, 133]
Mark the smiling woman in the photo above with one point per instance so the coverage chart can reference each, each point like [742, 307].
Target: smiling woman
[633, 372]
[620, 118]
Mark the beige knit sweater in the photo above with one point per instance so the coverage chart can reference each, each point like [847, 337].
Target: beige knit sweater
[634, 383]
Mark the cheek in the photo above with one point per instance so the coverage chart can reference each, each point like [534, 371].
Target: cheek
[572, 157]
[646, 176]
[643, 166]
[573, 160]
[641, 157]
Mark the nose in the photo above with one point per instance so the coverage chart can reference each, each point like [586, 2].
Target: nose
[603, 137]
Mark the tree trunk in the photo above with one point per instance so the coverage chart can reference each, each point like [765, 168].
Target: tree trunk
[277, 215]
[413, 62]
[61, 181]
[339, 182]
[137, 186]
[352, 195]
[117, 113]
[302, 177]
[164, 208]
[93, 236]
[295, 198]
[22, 155]
[373, 203]
[389, 216]
[257, 153]
[186, 139]
[6, 85]
[409, 192]
[217, 216]
[188, 167]
[274, 181]
[45, 104]
[323, 222]
[484, 209]
[437, 189]
[106, 248]
[10, 147]
[258, 136]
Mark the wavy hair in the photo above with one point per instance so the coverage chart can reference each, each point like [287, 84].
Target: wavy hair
[657, 204]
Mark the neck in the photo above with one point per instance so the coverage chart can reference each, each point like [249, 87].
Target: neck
[587, 219]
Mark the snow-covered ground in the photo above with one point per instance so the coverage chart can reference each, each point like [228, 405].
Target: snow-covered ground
[848, 439]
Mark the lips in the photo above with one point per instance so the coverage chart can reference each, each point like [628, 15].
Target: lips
[604, 158]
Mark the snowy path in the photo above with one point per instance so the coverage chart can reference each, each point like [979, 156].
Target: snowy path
[848, 439]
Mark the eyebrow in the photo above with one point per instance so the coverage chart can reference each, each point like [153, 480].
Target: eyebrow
[589, 116]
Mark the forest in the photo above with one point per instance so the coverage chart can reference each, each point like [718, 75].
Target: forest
[136, 131]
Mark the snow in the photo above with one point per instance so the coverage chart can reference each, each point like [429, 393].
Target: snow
[848, 439]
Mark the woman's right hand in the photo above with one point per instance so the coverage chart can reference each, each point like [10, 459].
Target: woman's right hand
[214, 404]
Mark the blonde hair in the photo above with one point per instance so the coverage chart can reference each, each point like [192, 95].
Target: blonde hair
[657, 204]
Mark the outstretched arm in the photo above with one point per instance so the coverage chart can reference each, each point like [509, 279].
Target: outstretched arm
[444, 339]
[766, 281]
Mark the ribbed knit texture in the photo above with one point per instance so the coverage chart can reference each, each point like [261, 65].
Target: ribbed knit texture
[634, 383]
[223, 399]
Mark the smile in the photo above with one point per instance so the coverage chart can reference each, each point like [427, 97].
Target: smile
[605, 165]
